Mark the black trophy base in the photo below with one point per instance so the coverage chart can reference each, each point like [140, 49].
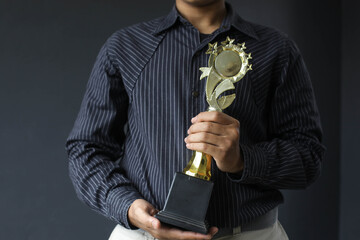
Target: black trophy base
[186, 204]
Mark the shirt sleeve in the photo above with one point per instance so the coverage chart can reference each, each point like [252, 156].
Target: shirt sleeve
[96, 144]
[292, 157]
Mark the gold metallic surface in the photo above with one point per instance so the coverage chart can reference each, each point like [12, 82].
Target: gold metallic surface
[228, 64]
[199, 166]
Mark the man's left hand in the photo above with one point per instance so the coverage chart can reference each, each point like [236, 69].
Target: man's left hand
[217, 134]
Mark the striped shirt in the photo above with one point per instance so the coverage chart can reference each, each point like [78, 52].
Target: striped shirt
[128, 139]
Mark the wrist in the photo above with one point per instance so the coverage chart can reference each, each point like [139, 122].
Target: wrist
[239, 165]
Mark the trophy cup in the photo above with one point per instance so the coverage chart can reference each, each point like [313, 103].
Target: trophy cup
[188, 199]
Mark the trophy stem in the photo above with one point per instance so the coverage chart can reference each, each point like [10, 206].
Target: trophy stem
[213, 109]
[199, 166]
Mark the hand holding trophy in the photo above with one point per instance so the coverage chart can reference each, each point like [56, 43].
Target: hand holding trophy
[187, 202]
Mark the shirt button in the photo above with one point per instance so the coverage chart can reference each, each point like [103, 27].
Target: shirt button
[195, 94]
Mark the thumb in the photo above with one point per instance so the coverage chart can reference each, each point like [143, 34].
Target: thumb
[213, 231]
[147, 216]
[155, 223]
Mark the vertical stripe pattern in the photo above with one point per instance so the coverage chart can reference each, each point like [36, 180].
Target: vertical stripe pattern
[127, 141]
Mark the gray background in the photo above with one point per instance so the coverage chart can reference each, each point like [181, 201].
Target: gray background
[47, 49]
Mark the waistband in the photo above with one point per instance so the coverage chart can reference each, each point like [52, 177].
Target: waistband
[261, 222]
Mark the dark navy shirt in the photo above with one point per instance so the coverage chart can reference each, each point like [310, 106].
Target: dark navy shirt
[128, 139]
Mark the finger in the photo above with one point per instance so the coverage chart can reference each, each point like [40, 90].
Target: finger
[145, 216]
[213, 231]
[153, 211]
[210, 127]
[216, 117]
[155, 223]
[205, 148]
[148, 221]
[204, 137]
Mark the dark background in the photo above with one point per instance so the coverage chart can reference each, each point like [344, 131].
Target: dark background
[47, 49]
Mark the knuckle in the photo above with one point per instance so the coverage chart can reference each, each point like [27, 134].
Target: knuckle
[236, 133]
[203, 136]
[232, 132]
[217, 115]
[203, 147]
[212, 116]
[207, 126]
[227, 143]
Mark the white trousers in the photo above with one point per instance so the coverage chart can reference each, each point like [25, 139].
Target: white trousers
[275, 232]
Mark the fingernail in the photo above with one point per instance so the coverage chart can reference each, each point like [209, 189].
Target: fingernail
[152, 223]
[185, 139]
[193, 119]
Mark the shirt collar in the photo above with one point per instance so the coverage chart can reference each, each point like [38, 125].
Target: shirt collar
[240, 24]
[168, 21]
[231, 19]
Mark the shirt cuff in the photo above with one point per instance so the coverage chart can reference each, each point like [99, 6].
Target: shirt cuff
[119, 201]
[255, 166]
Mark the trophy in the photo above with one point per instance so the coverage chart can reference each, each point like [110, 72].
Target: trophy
[188, 199]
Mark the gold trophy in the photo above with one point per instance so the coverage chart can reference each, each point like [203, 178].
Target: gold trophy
[188, 199]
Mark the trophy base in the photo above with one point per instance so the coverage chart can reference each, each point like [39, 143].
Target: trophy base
[183, 222]
[186, 204]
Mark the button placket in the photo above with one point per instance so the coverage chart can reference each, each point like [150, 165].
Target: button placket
[195, 93]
